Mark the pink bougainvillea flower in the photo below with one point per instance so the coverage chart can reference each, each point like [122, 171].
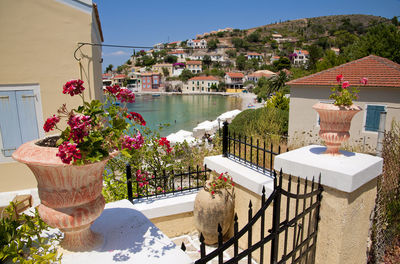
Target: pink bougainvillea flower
[68, 151]
[364, 81]
[138, 118]
[132, 143]
[51, 123]
[80, 126]
[125, 95]
[73, 87]
[339, 78]
[345, 85]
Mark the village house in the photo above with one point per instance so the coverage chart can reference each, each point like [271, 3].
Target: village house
[215, 57]
[194, 66]
[301, 57]
[382, 93]
[134, 82]
[201, 84]
[106, 77]
[255, 76]
[160, 66]
[274, 58]
[119, 79]
[254, 55]
[180, 54]
[234, 81]
[336, 50]
[197, 43]
[32, 92]
[158, 46]
[151, 82]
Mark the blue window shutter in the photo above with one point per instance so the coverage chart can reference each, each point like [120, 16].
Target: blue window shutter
[373, 116]
[9, 122]
[27, 115]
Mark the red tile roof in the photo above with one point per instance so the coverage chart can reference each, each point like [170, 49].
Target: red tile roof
[204, 78]
[119, 76]
[194, 62]
[305, 52]
[176, 52]
[253, 54]
[235, 74]
[380, 72]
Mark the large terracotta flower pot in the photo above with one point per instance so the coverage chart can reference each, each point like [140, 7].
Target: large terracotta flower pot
[70, 195]
[209, 211]
[335, 124]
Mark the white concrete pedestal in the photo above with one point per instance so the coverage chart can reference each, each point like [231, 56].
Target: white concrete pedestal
[346, 173]
[348, 198]
[129, 238]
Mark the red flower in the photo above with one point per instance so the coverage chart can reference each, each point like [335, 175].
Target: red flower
[339, 78]
[212, 192]
[51, 123]
[345, 85]
[73, 87]
[233, 184]
[112, 89]
[132, 143]
[125, 95]
[364, 81]
[68, 151]
[137, 117]
[164, 142]
[80, 126]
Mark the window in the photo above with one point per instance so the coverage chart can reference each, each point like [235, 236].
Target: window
[20, 117]
[372, 117]
[155, 81]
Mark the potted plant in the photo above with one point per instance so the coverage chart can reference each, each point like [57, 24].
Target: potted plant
[69, 167]
[214, 204]
[335, 119]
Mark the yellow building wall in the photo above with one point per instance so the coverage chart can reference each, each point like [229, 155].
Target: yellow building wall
[234, 90]
[37, 47]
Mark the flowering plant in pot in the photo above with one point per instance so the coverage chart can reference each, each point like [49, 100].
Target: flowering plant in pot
[335, 119]
[69, 167]
[215, 205]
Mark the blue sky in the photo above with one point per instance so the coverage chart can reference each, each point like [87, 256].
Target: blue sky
[144, 23]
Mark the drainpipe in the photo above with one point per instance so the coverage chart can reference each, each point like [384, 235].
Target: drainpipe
[381, 133]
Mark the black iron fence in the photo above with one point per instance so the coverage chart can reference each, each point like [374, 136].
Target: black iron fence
[145, 185]
[295, 223]
[248, 151]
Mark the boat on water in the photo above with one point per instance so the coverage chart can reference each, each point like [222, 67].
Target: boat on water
[156, 95]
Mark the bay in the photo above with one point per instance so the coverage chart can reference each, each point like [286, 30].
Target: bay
[181, 111]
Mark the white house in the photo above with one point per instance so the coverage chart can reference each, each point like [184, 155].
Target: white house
[194, 66]
[234, 80]
[197, 43]
[255, 76]
[254, 55]
[301, 58]
[200, 84]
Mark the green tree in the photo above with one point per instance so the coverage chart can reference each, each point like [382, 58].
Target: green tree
[186, 75]
[279, 101]
[109, 68]
[241, 62]
[381, 40]
[316, 53]
[212, 44]
[128, 62]
[165, 71]
[395, 21]
[207, 60]
[329, 60]
[344, 38]
[282, 63]
[231, 53]
[170, 59]
[254, 37]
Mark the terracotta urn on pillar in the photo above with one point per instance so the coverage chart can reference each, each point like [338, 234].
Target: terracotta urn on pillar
[70, 195]
[335, 124]
[211, 210]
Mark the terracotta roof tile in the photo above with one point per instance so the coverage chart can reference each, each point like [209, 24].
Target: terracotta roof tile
[194, 62]
[235, 74]
[120, 76]
[253, 54]
[380, 72]
[204, 78]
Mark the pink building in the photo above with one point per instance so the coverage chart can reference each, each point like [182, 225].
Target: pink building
[151, 81]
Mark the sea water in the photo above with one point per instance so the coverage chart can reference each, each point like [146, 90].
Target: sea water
[181, 111]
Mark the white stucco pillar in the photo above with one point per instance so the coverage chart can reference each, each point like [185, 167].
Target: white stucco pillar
[348, 199]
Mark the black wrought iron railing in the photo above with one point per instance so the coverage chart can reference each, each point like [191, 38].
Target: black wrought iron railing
[291, 233]
[145, 185]
[253, 153]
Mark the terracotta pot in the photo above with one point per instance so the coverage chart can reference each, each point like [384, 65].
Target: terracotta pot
[335, 124]
[209, 211]
[70, 195]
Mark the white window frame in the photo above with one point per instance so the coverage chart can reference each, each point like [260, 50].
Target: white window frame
[38, 107]
[365, 118]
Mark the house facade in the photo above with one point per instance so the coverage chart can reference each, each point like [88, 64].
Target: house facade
[37, 60]
[382, 93]
[194, 66]
[119, 79]
[200, 84]
[159, 68]
[255, 76]
[151, 82]
[180, 54]
[234, 81]
[301, 57]
[197, 43]
[254, 55]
